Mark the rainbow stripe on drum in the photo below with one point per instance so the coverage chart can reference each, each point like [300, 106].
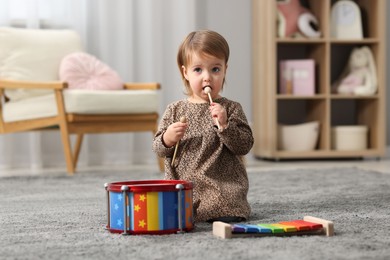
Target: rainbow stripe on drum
[150, 211]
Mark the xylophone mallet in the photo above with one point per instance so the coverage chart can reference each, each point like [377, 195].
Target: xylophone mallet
[207, 90]
[183, 120]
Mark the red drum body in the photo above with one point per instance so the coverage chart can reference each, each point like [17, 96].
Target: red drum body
[149, 207]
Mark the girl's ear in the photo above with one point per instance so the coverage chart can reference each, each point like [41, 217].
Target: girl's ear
[184, 72]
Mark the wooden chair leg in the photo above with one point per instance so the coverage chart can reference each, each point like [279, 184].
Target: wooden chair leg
[77, 149]
[64, 132]
[67, 149]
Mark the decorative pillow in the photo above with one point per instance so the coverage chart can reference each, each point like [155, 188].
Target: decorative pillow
[84, 71]
[34, 55]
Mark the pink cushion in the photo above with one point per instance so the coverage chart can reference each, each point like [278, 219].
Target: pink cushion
[83, 71]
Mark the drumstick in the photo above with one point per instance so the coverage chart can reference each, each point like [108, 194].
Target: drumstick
[183, 120]
[207, 90]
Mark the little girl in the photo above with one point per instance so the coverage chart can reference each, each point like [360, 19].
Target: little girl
[209, 153]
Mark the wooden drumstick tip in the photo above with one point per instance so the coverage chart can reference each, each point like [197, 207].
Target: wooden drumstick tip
[207, 90]
[183, 119]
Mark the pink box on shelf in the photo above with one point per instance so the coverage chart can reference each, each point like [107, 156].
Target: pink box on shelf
[297, 77]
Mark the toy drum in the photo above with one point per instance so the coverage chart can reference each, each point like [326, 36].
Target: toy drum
[149, 207]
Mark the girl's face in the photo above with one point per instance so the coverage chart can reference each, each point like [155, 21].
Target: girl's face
[205, 71]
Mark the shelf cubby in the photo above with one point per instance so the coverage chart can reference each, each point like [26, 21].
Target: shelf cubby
[272, 108]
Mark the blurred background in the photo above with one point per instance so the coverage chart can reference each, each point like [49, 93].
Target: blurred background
[138, 39]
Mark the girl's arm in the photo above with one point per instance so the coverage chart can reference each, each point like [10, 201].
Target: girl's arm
[237, 136]
[159, 147]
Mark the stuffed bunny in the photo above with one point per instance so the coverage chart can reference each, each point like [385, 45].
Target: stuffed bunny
[359, 77]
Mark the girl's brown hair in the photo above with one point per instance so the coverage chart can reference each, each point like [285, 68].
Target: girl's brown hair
[203, 42]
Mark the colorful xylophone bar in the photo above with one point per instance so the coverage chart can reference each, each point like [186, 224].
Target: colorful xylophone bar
[308, 226]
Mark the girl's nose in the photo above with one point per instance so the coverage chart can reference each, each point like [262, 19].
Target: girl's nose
[206, 77]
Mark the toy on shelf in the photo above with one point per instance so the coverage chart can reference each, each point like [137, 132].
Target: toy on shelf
[359, 77]
[294, 20]
[297, 77]
[308, 226]
[298, 137]
[346, 21]
[149, 207]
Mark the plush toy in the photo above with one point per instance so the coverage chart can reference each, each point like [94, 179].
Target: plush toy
[359, 77]
[294, 20]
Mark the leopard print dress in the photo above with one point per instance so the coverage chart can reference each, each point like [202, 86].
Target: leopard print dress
[209, 158]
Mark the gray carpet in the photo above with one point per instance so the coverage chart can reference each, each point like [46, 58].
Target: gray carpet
[61, 217]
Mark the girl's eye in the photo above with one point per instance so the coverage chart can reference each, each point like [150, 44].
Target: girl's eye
[216, 69]
[197, 69]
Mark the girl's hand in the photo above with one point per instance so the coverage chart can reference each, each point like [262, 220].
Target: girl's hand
[219, 113]
[174, 133]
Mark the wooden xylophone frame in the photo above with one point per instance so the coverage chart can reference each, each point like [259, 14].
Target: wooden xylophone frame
[224, 230]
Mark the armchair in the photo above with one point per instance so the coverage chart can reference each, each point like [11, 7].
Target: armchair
[33, 98]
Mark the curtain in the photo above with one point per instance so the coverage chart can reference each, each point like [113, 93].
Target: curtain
[138, 39]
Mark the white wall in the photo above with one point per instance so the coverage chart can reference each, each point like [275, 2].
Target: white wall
[153, 38]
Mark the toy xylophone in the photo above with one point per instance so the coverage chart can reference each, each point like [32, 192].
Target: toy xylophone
[308, 226]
